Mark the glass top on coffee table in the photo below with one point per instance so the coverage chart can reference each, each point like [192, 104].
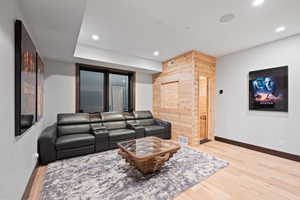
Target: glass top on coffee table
[148, 146]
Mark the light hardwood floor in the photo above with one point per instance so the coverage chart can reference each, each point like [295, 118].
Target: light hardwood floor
[250, 175]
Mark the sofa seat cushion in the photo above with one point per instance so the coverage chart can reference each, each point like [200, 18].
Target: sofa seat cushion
[121, 134]
[154, 130]
[74, 141]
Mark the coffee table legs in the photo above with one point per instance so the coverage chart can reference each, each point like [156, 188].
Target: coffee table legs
[147, 166]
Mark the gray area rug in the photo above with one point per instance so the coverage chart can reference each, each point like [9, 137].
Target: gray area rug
[106, 176]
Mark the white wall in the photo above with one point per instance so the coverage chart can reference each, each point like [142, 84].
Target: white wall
[16, 153]
[274, 130]
[60, 90]
[143, 91]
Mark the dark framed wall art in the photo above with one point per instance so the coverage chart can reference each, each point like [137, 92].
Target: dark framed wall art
[40, 87]
[268, 89]
[26, 80]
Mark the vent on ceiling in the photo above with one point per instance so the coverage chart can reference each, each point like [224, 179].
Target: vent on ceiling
[171, 63]
[227, 18]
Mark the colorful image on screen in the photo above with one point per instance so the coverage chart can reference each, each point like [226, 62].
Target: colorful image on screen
[268, 89]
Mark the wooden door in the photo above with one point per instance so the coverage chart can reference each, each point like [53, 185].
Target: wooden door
[203, 107]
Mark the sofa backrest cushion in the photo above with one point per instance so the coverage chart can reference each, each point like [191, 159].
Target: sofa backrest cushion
[72, 118]
[144, 118]
[95, 119]
[73, 123]
[113, 120]
[129, 117]
[142, 114]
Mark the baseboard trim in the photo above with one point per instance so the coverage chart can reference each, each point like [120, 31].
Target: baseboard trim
[204, 141]
[260, 149]
[29, 183]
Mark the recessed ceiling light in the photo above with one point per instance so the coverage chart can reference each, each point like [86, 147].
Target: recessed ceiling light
[258, 2]
[95, 37]
[280, 29]
[156, 53]
[227, 18]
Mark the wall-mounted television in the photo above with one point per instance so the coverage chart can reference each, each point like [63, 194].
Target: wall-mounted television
[268, 89]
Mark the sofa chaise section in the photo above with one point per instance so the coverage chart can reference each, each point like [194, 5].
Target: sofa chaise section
[152, 126]
[71, 136]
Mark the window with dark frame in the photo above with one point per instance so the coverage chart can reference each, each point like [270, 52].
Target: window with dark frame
[100, 89]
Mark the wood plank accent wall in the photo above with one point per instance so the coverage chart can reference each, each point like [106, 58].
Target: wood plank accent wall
[180, 79]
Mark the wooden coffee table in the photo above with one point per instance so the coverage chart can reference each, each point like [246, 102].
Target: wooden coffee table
[147, 154]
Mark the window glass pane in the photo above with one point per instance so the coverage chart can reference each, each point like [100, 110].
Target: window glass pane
[118, 92]
[91, 91]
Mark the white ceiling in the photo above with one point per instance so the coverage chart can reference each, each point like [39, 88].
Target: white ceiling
[54, 25]
[137, 28]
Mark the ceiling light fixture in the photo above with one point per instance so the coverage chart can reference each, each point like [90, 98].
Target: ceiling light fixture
[95, 37]
[257, 3]
[280, 29]
[156, 53]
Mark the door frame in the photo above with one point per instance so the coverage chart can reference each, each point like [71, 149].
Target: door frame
[210, 106]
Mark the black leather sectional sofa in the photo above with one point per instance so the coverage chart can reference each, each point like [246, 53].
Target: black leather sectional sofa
[80, 134]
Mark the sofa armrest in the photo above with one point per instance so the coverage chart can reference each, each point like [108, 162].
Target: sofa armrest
[139, 130]
[134, 126]
[46, 145]
[101, 139]
[162, 122]
[167, 126]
